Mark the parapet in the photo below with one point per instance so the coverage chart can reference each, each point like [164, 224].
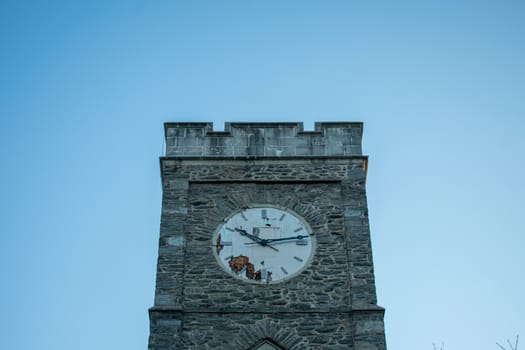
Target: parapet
[263, 139]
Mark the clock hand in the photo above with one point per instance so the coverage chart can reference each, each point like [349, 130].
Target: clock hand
[271, 240]
[250, 236]
[284, 239]
[255, 238]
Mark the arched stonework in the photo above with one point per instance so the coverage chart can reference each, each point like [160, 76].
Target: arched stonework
[252, 335]
[266, 344]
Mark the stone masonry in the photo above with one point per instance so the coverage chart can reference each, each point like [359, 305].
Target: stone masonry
[320, 175]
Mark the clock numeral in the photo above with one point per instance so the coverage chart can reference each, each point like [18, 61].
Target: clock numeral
[282, 217]
[284, 270]
[244, 217]
[263, 214]
[298, 258]
[298, 229]
[302, 242]
[226, 243]
[230, 229]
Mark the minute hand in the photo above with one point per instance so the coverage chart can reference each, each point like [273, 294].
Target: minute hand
[284, 239]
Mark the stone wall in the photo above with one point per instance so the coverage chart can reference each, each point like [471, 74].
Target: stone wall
[331, 304]
[323, 286]
[231, 331]
[263, 139]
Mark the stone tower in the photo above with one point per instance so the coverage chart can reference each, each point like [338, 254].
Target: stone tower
[264, 240]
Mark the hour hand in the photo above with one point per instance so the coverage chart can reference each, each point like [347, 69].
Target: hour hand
[250, 236]
[263, 242]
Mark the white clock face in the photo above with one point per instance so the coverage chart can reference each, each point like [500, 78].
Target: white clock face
[263, 244]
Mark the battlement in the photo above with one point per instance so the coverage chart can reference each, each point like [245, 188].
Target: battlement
[263, 139]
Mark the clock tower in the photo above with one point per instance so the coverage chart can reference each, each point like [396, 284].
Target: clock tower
[264, 240]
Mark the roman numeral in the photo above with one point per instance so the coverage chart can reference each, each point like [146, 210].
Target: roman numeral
[284, 270]
[244, 217]
[282, 217]
[298, 229]
[298, 258]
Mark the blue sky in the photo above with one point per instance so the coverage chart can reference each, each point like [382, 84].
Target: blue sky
[86, 86]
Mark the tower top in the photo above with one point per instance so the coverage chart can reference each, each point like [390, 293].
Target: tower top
[187, 139]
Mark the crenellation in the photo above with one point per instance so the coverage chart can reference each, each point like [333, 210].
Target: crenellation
[263, 140]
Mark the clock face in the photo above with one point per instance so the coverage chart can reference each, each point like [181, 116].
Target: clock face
[263, 244]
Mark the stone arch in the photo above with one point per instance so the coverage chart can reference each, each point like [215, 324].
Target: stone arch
[266, 344]
[254, 336]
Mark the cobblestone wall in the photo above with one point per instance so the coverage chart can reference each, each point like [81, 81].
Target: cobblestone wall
[329, 305]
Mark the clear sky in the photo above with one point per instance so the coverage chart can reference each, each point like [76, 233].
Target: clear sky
[86, 86]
